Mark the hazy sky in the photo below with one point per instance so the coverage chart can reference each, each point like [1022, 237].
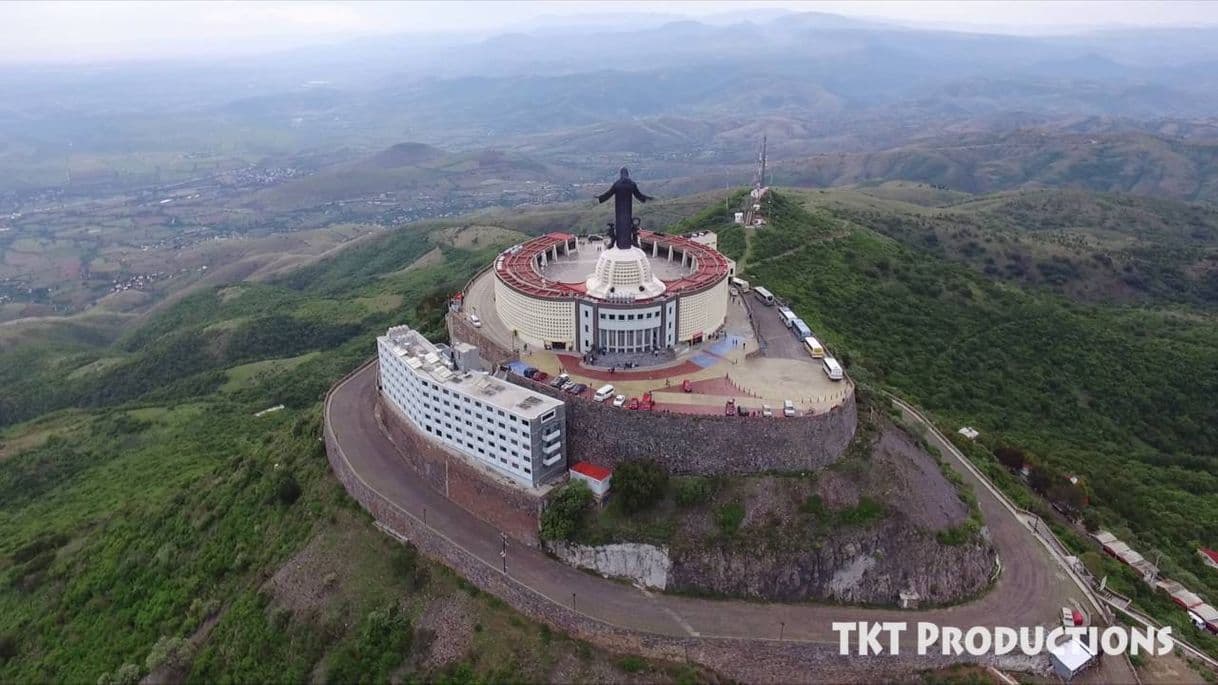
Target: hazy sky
[84, 31]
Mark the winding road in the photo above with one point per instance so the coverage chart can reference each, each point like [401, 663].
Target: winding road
[1031, 589]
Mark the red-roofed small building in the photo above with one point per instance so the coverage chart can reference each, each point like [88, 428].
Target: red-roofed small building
[596, 477]
[1209, 556]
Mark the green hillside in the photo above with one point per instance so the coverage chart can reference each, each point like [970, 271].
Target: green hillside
[151, 523]
[1121, 397]
[168, 531]
[1122, 162]
[1092, 247]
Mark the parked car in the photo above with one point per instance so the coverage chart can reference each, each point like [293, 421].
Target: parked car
[473, 318]
[528, 372]
[766, 411]
[619, 401]
[541, 376]
[729, 408]
[788, 408]
[577, 388]
[687, 386]
[633, 404]
[560, 380]
[742, 410]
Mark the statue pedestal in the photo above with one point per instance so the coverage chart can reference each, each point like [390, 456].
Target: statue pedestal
[623, 274]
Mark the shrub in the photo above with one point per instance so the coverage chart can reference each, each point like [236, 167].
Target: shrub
[865, 511]
[631, 664]
[639, 484]
[287, 490]
[564, 513]
[691, 491]
[813, 506]
[729, 517]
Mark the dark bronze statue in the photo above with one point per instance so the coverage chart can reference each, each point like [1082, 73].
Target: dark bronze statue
[624, 226]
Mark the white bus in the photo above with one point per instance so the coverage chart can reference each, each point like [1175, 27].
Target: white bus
[766, 297]
[801, 329]
[814, 347]
[832, 369]
[788, 317]
[739, 284]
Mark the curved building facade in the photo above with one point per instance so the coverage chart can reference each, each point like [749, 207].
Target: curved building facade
[583, 294]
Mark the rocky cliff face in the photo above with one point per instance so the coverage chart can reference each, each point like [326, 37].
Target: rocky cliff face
[646, 565]
[865, 530]
[870, 565]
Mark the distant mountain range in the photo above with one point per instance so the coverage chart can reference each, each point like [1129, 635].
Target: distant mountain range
[680, 99]
[1135, 163]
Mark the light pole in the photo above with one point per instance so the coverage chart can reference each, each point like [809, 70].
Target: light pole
[503, 552]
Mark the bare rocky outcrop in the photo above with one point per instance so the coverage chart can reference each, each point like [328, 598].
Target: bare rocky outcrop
[871, 565]
[864, 530]
[645, 565]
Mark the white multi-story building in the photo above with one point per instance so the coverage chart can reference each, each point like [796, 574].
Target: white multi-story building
[512, 429]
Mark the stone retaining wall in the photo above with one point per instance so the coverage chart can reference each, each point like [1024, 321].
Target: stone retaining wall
[508, 508]
[754, 661]
[709, 445]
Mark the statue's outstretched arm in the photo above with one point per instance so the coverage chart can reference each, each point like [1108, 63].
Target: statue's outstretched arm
[605, 196]
[640, 196]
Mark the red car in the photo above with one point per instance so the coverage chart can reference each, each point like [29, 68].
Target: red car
[687, 386]
[541, 376]
[633, 404]
[729, 409]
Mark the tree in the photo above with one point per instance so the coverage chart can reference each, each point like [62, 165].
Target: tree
[564, 513]
[1091, 520]
[1067, 496]
[1040, 478]
[172, 653]
[639, 484]
[127, 674]
[1010, 457]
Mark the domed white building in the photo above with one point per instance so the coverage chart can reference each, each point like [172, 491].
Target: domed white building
[623, 275]
[586, 295]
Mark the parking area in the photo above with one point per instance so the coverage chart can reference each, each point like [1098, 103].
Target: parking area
[719, 370]
[776, 340]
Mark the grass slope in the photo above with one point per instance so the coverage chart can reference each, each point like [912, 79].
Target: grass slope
[1122, 397]
[169, 532]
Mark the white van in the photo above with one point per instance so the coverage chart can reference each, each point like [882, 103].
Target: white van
[832, 369]
[604, 393]
[739, 284]
[814, 347]
[788, 317]
[801, 329]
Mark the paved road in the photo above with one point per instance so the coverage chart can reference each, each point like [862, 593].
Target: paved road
[1030, 591]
